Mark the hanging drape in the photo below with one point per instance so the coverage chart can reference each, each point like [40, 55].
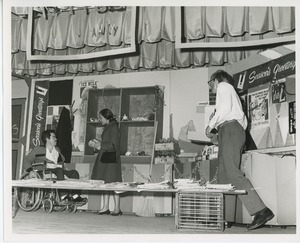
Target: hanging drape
[82, 31]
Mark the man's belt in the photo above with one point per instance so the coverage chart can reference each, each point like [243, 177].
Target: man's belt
[226, 122]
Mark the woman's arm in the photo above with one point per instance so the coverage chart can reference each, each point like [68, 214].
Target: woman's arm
[113, 143]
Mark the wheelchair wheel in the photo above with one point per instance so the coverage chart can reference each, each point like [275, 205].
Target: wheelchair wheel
[29, 199]
[48, 205]
[72, 208]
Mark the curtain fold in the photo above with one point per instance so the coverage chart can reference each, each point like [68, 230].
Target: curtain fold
[59, 31]
[260, 20]
[82, 31]
[284, 19]
[15, 34]
[152, 23]
[194, 22]
[168, 24]
[214, 21]
[96, 29]
[236, 21]
[76, 29]
[41, 34]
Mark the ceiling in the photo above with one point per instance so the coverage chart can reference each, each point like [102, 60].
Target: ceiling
[80, 30]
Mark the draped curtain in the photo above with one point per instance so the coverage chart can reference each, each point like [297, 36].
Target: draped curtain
[82, 31]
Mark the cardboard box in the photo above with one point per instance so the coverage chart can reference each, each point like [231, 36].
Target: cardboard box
[274, 178]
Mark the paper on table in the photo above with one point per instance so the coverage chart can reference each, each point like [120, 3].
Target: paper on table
[220, 186]
[198, 137]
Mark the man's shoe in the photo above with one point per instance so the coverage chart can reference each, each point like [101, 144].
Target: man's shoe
[79, 199]
[261, 218]
[229, 224]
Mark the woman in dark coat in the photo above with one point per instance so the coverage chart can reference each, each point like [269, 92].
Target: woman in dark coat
[109, 172]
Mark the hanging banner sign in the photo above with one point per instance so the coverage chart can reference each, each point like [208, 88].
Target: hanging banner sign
[39, 111]
[273, 70]
[292, 117]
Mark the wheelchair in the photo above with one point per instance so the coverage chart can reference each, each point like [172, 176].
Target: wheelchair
[31, 199]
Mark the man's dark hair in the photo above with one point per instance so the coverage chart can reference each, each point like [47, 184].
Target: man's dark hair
[222, 76]
[46, 134]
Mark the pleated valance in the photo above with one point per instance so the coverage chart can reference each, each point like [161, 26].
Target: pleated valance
[86, 30]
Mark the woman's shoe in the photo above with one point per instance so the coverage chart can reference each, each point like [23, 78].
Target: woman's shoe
[116, 214]
[104, 212]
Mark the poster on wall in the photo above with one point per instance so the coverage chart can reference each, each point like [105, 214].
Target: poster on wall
[278, 93]
[259, 109]
[39, 109]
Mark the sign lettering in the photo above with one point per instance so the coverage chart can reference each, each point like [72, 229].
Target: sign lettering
[39, 110]
[275, 69]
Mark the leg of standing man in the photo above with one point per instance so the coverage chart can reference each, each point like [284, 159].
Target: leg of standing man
[231, 141]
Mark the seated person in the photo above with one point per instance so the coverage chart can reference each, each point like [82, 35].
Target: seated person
[51, 154]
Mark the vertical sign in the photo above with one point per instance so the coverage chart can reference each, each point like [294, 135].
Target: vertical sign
[292, 117]
[39, 110]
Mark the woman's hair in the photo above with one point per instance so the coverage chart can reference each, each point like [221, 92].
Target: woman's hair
[222, 76]
[107, 114]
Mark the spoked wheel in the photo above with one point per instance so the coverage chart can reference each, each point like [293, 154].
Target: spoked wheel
[48, 205]
[60, 208]
[29, 199]
[72, 208]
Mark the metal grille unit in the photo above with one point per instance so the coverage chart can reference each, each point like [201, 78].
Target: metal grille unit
[201, 211]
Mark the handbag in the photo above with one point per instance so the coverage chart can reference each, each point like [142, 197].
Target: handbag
[109, 157]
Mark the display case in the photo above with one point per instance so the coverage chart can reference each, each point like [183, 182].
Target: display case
[139, 112]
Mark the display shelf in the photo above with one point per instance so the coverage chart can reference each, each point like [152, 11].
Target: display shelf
[135, 135]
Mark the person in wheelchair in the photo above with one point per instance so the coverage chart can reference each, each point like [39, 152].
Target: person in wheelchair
[50, 154]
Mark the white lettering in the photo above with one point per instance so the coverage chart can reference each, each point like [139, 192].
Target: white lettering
[280, 68]
[36, 139]
[39, 116]
[255, 76]
[36, 142]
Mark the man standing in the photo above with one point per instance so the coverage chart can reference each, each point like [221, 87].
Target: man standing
[51, 154]
[231, 123]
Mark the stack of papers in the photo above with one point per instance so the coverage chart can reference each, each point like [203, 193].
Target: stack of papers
[187, 184]
[227, 187]
[159, 185]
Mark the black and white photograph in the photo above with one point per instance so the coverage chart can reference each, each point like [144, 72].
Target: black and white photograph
[149, 121]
